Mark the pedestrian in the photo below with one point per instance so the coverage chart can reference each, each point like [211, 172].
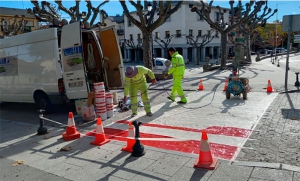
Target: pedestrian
[135, 80]
[177, 70]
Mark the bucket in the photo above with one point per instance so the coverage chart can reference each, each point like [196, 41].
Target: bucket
[102, 113]
[110, 112]
[100, 105]
[99, 98]
[100, 92]
[98, 86]
[115, 98]
[78, 105]
[88, 113]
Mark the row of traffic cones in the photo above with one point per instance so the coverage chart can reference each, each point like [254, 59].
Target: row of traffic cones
[269, 86]
[205, 159]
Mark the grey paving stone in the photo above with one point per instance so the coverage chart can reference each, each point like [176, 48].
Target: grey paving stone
[227, 172]
[168, 164]
[109, 178]
[291, 168]
[272, 174]
[149, 176]
[153, 155]
[62, 169]
[51, 177]
[25, 173]
[296, 176]
[191, 174]
[257, 164]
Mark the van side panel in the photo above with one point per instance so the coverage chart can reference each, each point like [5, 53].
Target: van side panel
[9, 77]
[37, 69]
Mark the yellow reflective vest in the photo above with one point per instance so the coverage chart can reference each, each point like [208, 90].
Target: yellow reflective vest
[138, 78]
[178, 65]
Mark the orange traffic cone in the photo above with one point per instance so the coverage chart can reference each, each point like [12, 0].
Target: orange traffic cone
[71, 132]
[131, 140]
[269, 87]
[205, 159]
[226, 85]
[201, 87]
[100, 138]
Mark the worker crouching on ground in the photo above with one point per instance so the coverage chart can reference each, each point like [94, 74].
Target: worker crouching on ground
[177, 70]
[135, 80]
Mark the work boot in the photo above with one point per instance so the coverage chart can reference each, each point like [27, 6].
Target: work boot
[171, 99]
[181, 102]
[149, 114]
[133, 115]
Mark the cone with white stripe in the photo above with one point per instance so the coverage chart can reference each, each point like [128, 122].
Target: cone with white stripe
[100, 138]
[130, 140]
[226, 85]
[71, 132]
[205, 159]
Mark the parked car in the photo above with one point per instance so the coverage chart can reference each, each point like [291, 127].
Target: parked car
[126, 60]
[253, 53]
[160, 63]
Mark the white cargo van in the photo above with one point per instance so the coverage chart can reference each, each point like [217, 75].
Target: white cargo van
[56, 65]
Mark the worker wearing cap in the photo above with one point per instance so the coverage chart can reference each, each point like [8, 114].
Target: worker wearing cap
[135, 80]
[177, 70]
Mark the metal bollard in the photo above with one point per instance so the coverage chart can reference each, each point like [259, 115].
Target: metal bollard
[278, 64]
[297, 79]
[138, 148]
[41, 130]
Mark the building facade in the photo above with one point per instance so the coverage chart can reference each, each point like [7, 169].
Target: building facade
[182, 22]
[8, 14]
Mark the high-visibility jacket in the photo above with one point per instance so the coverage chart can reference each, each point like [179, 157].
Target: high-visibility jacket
[137, 79]
[178, 65]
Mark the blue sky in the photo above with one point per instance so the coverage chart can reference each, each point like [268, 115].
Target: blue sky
[114, 7]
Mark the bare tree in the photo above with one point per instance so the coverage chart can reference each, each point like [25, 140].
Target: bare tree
[223, 27]
[46, 13]
[205, 39]
[135, 47]
[147, 24]
[164, 43]
[15, 28]
[249, 27]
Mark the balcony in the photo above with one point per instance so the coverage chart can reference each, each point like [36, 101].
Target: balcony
[120, 32]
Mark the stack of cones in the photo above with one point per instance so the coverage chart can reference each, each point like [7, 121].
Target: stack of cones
[269, 87]
[205, 159]
[226, 85]
[201, 87]
[71, 132]
[131, 140]
[100, 138]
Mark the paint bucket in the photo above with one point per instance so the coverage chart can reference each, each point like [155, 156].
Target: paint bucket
[102, 113]
[109, 97]
[99, 98]
[100, 92]
[88, 113]
[115, 98]
[78, 105]
[100, 105]
[98, 86]
[110, 112]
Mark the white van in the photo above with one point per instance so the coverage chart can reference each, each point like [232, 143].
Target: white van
[56, 65]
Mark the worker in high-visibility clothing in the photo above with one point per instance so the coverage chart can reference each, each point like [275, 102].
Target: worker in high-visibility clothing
[135, 80]
[177, 70]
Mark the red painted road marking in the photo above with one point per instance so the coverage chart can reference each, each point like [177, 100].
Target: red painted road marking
[192, 146]
[218, 130]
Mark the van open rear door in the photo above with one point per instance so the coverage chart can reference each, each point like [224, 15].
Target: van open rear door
[112, 58]
[73, 66]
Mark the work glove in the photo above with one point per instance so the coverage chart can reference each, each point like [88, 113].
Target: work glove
[154, 81]
[166, 76]
[124, 100]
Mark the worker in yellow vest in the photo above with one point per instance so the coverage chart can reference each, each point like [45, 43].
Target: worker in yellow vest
[135, 80]
[177, 70]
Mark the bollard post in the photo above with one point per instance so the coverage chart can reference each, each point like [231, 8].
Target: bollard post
[138, 148]
[278, 63]
[297, 79]
[42, 129]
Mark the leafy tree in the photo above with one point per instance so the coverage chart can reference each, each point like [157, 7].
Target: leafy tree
[147, 24]
[205, 39]
[241, 17]
[46, 13]
[15, 28]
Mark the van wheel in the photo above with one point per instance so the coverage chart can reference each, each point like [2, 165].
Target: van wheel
[43, 102]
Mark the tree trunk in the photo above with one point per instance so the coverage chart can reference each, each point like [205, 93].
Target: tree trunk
[247, 48]
[198, 55]
[147, 49]
[223, 49]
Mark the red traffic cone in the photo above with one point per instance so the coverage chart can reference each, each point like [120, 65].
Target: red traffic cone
[269, 87]
[201, 87]
[226, 85]
[205, 159]
[71, 132]
[131, 140]
[100, 138]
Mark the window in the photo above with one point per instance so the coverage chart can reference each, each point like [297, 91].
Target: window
[167, 34]
[139, 36]
[159, 63]
[178, 33]
[217, 34]
[131, 36]
[156, 35]
[190, 32]
[130, 23]
[168, 19]
[199, 18]
[217, 16]
[199, 32]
